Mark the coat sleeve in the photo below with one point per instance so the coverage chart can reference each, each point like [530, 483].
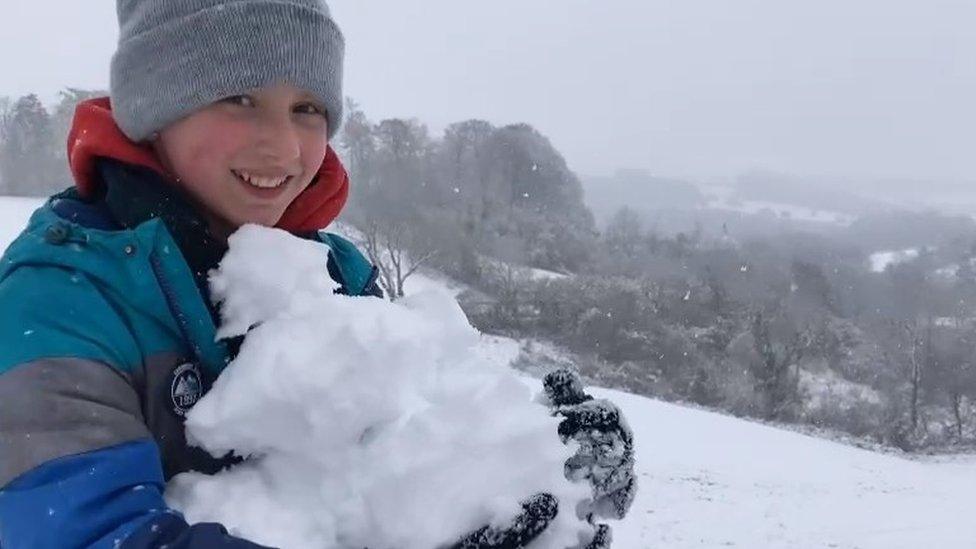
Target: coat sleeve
[78, 466]
[349, 267]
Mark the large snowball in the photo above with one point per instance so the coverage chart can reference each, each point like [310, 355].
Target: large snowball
[372, 424]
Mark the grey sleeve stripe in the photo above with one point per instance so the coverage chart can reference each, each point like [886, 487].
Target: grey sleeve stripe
[57, 407]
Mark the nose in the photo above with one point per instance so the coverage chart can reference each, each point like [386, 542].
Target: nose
[278, 141]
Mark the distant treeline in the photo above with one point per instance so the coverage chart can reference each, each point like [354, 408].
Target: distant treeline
[33, 150]
[790, 326]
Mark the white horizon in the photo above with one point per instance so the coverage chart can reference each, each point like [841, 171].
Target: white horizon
[868, 90]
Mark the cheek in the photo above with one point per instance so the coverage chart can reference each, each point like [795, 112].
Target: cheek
[218, 146]
[314, 147]
[206, 139]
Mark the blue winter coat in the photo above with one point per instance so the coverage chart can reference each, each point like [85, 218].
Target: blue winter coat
[106, 340]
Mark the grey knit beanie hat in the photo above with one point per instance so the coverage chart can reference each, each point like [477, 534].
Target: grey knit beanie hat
[176, 56]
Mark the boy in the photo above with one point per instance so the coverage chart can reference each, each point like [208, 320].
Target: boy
[220, 114]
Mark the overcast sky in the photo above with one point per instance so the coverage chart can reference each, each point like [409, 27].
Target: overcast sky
[861, 88]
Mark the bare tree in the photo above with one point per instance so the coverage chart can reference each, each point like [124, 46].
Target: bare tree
[6, 113]
[386, 245]
[6, 110]
[624, 232]
[28, 158]
[509, 282]
[952, 369]
[777, 373]
[915, 362]
[357, 142]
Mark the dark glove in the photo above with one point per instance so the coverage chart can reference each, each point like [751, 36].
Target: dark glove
[601, 539]
[605, 459]
[606, 454]
[537, 512]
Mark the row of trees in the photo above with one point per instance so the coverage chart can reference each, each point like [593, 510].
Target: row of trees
[788, 327]
[477, 191]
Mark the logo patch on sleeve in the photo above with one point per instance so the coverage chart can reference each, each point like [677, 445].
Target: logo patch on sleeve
[186, 388]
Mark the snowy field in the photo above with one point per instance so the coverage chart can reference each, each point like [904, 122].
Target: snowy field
[723, 198]
[713, 481]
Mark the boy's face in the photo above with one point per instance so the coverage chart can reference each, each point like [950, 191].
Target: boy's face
[244, 159]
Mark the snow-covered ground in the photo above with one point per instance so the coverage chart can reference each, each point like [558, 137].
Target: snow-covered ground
[530, 273]
[786, 211]
[723, 198]
[709, 480]
[714, 481]
[880, 260]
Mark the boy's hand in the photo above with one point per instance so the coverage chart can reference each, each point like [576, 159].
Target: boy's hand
[537, 512]
[601, 538]
[606, 454]
[605, 459]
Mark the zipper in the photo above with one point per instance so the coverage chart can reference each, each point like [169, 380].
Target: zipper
[182, 322]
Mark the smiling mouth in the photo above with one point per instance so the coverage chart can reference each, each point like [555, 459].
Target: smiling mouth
[260, 181]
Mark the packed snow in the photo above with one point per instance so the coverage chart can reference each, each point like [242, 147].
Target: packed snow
[378, 415]
[714, 481]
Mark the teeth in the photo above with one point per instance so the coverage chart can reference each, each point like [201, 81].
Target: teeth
[262, 182]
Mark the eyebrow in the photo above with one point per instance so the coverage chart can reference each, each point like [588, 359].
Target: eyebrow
[306, 98]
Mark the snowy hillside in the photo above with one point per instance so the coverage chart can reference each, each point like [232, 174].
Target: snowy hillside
[709, 480]
[713, 481]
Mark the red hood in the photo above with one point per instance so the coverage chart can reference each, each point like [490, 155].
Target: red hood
[94, 134]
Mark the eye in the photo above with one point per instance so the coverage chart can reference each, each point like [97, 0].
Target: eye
[309, 108]
[239, 100]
